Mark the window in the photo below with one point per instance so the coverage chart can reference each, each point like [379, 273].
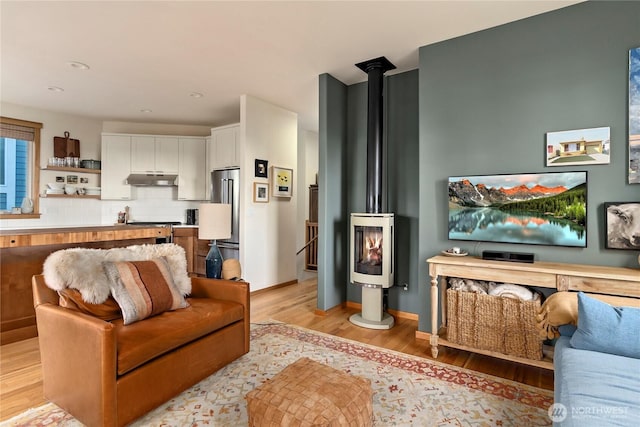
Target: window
[19, 165]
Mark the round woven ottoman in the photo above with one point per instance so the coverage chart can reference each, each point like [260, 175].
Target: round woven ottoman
[307, 393]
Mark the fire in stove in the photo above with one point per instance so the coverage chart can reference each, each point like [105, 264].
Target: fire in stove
[374, 250]
[371, 246]
[368, 250]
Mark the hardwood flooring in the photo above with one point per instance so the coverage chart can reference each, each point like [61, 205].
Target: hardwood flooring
[21, 377]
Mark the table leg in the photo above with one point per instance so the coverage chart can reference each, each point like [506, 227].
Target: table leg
[434, 316]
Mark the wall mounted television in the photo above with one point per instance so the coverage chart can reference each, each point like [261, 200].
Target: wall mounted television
[532, 208]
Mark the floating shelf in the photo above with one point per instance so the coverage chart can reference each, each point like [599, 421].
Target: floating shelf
[71, 196]
[76, 170]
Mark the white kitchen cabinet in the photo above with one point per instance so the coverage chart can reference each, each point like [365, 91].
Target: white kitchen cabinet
[116, 166]
[167, 152]
[223, 150]
[143, 153]
[158, 154]
[192, 182]
[207, 172]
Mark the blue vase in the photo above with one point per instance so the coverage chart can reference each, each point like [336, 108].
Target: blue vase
[213, 262]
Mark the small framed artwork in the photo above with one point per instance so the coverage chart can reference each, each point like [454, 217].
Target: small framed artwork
[72, 179]
[84, 180]
[260, 192]
[281, 182]
[59, 178]
[621, 223]
[579, 147]
[261, 168]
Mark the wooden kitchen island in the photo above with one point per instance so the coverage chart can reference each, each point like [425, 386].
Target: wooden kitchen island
[23, 252]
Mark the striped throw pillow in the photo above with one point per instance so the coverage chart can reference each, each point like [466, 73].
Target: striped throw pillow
[143, 288]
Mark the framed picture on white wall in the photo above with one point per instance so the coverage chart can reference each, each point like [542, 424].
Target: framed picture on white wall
[281, 182]
[260, 192]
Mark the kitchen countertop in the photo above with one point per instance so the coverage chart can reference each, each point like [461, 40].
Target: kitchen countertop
[63, 235]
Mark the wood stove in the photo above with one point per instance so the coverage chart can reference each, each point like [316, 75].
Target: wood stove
[372, 233]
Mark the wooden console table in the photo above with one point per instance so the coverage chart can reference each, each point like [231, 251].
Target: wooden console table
[617, 281]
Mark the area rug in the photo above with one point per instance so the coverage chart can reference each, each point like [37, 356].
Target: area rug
[408, 390]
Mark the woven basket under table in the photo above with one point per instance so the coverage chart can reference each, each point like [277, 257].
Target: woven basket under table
[504, 325]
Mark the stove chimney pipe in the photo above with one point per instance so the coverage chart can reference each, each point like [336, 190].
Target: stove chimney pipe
[375, 69]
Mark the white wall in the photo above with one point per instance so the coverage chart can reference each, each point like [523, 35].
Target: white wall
[149, 204]
[267, 230]
[155, 129]
[55, 124]
[308, 166]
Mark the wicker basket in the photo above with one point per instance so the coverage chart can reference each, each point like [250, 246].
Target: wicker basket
[486, 322]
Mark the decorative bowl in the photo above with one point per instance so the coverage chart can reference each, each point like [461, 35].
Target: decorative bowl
[56, 185]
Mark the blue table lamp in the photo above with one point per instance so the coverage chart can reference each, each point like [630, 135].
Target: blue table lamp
[214, 223]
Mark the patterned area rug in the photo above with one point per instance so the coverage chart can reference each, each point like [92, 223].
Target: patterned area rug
[408, 390]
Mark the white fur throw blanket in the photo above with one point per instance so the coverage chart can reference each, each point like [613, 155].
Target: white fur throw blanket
[81, 268]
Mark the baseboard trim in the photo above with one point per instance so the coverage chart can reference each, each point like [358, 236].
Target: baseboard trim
[279, 285]
[423, 335]
[319, 312]
[396, 313]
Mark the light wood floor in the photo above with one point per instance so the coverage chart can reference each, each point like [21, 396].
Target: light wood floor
[21, 378]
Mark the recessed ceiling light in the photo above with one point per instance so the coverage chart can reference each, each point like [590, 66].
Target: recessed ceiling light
[55, 89]
[196, 95]
[78, 65]
[146, 110]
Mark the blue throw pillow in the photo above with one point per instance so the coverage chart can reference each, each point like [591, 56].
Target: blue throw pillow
[607, 329]
[567, 330]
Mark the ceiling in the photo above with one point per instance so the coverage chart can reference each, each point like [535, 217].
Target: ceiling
[149, 55]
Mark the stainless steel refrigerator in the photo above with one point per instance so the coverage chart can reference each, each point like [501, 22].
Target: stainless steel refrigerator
[225, 188]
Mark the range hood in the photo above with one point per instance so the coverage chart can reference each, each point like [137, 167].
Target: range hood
[157, 180]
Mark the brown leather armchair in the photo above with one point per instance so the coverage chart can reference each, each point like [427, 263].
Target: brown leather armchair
[107, 374]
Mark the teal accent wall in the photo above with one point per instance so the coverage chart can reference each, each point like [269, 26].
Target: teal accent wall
[487, 100]
[332, 189]
[479, 104]
[357, 170]
[403, 178]
[400, 185]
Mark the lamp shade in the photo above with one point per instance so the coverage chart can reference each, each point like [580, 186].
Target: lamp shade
[215, 221]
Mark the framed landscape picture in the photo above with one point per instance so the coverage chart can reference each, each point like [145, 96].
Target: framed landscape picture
[579, 147]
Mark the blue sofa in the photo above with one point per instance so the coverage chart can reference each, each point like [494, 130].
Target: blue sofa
[597, 367]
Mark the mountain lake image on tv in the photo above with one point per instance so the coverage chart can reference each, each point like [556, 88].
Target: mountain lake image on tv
[534, 208]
